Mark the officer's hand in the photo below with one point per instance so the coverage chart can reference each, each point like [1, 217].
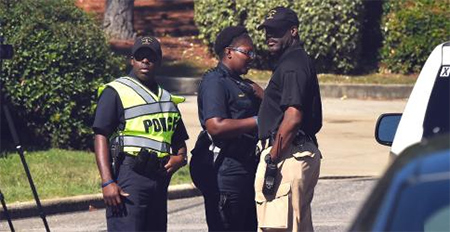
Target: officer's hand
[112, 195]
[263, 144]
[259, 92]
[274, 158]
[175, 162]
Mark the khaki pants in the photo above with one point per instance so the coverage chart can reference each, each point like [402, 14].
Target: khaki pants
[289, 209]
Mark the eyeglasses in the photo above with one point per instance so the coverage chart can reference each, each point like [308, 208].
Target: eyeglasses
[277, 32]
[140, 56]
[250, 54]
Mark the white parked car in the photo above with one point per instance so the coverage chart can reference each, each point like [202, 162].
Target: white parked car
[427, 112]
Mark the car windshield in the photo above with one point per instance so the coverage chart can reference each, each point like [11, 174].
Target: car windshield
[437, 116]
[423, 201]
[421, 206]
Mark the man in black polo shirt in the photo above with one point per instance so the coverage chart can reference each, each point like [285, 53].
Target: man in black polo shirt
[289, 117]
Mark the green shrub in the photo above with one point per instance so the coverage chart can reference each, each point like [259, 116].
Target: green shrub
[332, 32]
[252, 14]
[61, 57]
[329, 28]
[211, 16]
[412, 28]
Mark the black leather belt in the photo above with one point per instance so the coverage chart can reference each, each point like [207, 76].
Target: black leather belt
[300, 139]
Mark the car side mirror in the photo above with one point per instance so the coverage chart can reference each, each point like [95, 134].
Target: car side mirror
[386, 127]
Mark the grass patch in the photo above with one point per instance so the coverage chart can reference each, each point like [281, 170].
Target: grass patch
[56, 173]
[374, 78]
[195, 69]
[259, 75]
[182, 176]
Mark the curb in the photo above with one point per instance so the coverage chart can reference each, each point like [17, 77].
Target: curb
[189, 85]
[95, 201]
[364, 91]
[83, 203]
[180, 85]
[349, 178]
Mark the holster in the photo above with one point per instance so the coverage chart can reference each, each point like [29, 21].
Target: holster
[202, 167]
[269, 177]
[116, 155]
[202, 149]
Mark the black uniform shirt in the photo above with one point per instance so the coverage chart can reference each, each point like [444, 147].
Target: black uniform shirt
[293, 83]
[220, 96]
[109, 116]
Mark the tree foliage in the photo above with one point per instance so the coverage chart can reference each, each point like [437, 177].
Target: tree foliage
[412, 28]
[331, 29]
[61, 58]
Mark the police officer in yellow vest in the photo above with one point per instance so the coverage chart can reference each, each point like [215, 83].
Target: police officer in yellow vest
[138, 126]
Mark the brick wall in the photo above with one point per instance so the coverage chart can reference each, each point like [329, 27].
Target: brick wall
[157, 17]
[96, 6]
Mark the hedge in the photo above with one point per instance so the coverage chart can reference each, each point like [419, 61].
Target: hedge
[61, 57]
[212, 16]
[411, 30]
[330, 28]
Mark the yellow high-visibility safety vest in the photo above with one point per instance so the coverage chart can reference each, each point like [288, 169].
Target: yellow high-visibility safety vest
[150, 120]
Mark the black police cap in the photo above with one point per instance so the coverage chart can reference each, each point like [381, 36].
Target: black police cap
[280, 17]
[147, 42]
[226, 36]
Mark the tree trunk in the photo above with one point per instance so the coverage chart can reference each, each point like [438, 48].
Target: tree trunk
[118, 19]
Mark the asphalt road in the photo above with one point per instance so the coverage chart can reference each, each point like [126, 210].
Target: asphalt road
[346, 141]
[335, 203]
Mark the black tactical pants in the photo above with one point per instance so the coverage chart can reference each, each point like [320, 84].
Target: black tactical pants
[146, 207]
[237, 211]
[213, 219]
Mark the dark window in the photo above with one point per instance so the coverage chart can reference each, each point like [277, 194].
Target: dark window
[437, 116]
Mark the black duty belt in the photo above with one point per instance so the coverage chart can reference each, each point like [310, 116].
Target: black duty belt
[131, 159]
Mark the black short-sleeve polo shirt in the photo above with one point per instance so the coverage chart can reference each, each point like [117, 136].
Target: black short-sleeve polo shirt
[293, 83]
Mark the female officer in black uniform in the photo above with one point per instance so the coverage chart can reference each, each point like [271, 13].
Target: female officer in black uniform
[227, 108]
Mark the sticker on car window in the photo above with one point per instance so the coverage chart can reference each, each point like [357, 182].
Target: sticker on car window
[445, 71]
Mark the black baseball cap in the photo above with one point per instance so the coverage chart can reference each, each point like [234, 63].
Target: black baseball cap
[226, 36]
[280, 17]
[147, 42]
